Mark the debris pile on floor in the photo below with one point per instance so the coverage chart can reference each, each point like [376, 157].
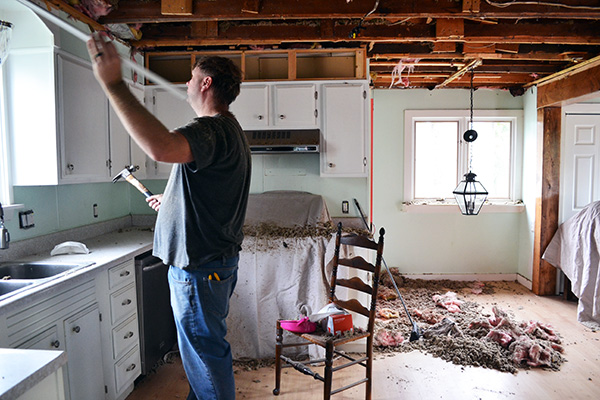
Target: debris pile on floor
[460, 331]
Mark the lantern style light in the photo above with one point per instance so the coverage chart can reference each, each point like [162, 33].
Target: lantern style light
[470, 194]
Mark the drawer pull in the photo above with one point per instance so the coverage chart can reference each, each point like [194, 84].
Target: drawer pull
[124, 273]
[130, 368]
[76, 329]
[281, 116]
[126, 302]
[128, 335]
[55, 344]
[260, 117]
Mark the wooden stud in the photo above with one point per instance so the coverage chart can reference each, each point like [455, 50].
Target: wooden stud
[507, 48]
[450, 29]
[444, 47]
[176, 7]
[547, 206]
[471, 6]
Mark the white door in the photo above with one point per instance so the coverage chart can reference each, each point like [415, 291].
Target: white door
[581, 166]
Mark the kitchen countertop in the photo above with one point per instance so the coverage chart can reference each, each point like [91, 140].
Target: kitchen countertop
[21, 370]
[105, 251]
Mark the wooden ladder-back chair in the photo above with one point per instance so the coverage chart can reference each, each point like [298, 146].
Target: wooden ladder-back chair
[329, 342]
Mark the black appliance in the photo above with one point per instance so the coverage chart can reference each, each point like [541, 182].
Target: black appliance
[155, 317]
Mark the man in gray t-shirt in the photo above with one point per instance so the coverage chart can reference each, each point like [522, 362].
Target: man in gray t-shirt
[201, 214]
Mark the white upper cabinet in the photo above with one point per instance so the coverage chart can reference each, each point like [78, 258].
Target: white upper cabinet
[345, 116]
[83, 123]
[295, 106]
[279, 105]
[251, 107]
[173, 113]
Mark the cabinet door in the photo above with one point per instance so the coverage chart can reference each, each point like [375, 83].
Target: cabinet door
[121, 146]
[295, 105]
[173, 113]
[251, 107]
[344, 130]
[83, 122]
[84, 352]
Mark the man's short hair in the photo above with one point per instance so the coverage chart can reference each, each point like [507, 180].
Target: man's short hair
[226, 77]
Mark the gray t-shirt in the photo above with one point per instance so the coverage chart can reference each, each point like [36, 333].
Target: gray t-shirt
[204, 204]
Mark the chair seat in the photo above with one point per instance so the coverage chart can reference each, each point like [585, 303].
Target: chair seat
[321, 338]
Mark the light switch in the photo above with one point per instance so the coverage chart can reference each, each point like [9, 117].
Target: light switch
[26, 219]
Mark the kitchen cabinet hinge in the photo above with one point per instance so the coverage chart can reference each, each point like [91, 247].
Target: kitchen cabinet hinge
[316, 95]
[109, 163]
[364, 94]
[153, 100]
[105, 389]
[316, 113]
[100, 317]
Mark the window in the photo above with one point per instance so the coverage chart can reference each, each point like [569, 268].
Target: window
[437, 157]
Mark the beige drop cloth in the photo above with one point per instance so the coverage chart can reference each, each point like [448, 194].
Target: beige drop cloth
[278, 277]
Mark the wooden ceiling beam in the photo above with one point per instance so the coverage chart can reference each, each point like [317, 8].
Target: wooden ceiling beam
[143, 11]
[312, 31]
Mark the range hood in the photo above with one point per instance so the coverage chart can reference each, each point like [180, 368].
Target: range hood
[284, 141]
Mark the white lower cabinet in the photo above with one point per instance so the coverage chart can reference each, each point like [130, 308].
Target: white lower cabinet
[82, 339]
[119, 327]
[66, 320]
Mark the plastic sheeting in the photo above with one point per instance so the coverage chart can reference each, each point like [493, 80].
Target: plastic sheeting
[574, 249]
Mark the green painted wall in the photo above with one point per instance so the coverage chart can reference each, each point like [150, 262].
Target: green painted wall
[440, 243]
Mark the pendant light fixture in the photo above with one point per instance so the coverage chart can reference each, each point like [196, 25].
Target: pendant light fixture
[470, 194]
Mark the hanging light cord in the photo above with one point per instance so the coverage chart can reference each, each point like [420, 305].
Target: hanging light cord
[471, 125]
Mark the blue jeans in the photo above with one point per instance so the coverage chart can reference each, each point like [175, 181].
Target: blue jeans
[200, 306]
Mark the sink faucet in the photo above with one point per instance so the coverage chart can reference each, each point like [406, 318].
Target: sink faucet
[4, 235]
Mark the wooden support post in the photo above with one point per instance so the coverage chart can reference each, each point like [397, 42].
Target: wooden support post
[546, 220]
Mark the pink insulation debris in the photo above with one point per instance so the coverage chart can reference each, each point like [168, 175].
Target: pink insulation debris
[428, 315]
[387, 338]
[532, 342]
[94, 8]
[449, 301]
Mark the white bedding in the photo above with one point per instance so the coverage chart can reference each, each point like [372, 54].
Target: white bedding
[574, 250]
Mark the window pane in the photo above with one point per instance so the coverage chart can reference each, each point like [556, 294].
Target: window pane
[491, 157]
[436, 159]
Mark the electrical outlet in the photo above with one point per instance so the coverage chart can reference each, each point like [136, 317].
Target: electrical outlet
[26, 219]
[345, 206]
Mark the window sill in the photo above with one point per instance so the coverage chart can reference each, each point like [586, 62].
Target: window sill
[10, 209]
[447, 208]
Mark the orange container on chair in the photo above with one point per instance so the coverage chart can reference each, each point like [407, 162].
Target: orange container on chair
[339, 324]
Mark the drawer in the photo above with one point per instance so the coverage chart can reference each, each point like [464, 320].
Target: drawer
[123, 303]
[127, 369]
[125, 336]
[121, 274]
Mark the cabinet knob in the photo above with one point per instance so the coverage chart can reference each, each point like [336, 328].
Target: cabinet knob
[331, 165]
[126, 302]
[260, 117]
[128, 335]
[70, 167]
[55, 344]
[281, 116]
[130, 368]
[76, 329]
[124, 273]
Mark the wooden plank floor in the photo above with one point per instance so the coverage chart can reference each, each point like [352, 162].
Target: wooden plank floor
[419, 376]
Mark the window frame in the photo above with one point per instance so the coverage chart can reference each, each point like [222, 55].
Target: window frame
[462, 117]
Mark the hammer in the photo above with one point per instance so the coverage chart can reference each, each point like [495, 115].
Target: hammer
[127, 174]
